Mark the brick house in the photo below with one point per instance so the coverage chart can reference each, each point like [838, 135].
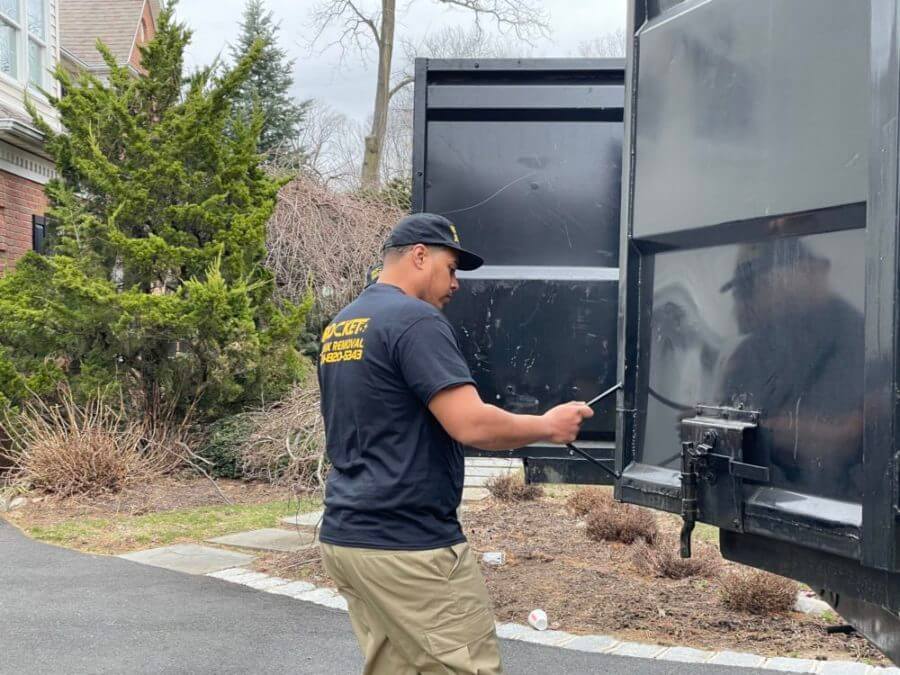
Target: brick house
[35, 36]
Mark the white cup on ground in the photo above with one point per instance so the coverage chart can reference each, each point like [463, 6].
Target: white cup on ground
[538, 619]
[495, 558]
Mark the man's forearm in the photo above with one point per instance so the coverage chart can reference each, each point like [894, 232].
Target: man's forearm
[473, 422]
[496, 429]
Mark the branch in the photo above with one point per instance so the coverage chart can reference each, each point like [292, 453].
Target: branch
[195, 460]
[367, 21]
[525, 18]
[406, 81]
[351, 21]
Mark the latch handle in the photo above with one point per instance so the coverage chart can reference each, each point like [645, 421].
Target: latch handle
[749, 471]
[688, 496]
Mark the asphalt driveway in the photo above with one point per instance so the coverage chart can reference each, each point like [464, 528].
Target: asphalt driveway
[63, 611]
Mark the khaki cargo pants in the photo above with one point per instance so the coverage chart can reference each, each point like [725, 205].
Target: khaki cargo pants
[417, 611]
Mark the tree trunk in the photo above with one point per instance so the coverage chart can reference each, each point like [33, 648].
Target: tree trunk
[375, 139]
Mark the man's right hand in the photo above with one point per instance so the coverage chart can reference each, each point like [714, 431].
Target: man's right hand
[564, 421]
[470, 421]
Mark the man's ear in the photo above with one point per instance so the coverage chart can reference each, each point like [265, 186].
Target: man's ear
[419, 255]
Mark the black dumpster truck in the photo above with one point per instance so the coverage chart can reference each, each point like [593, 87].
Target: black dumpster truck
[758, 271]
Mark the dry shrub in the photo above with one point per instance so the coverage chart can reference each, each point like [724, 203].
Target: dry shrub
[326, 241]
[511, 488]
[612, 521]
[287, 443]
[758, 592]
[664, 560]
[69, 449]
[586, 500]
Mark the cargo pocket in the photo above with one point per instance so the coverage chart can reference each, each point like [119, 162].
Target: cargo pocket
[452, 566]
[449, 644]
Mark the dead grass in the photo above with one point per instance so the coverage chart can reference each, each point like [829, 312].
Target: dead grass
[651, 554]
[758, 592]
[70, 449]
[584, 500]
[664, 561]
[609, 520]
[511, 488]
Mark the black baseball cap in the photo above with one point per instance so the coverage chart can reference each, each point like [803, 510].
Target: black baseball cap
[373, 273]
[757, 259]
[433, 230]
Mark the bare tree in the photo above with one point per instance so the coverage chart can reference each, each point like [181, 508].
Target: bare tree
[453, 42]
[396, 154]
[331, 145]
[456, 42]
[361, 25]
[608, 45]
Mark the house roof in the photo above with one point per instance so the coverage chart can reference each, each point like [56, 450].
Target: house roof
[114, 22]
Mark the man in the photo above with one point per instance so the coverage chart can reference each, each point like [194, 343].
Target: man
[800, 362]
[398, 400]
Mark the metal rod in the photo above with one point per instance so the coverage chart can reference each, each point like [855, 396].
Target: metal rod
[594, 401]
[596, 461]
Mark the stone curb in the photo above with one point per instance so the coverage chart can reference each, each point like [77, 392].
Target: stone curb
[600, 644]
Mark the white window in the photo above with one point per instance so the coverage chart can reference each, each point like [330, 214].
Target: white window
[23, 41]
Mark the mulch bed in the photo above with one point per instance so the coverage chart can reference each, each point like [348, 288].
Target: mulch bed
[590, 587]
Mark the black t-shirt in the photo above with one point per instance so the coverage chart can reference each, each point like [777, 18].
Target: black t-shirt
[803, 371]
[396, 478]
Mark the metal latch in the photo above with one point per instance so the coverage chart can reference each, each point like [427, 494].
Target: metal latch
[713, 445]
[713, 463]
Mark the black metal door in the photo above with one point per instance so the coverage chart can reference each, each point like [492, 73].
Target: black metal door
[525, 158]
[759, 298]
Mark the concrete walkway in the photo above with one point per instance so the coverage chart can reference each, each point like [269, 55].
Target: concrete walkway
[64, 611]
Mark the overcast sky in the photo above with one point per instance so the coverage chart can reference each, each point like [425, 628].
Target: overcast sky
[349, 87]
